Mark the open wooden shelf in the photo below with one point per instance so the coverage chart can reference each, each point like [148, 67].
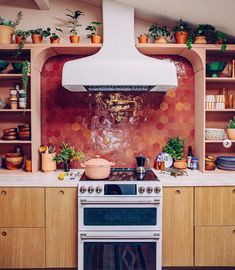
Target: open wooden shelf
[11, 76]
[217, 141]
[220, 80]
[14, 141]
[221, 110]
[18, 110]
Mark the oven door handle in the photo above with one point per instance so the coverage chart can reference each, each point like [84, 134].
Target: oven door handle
[86, 202]
[106, 237]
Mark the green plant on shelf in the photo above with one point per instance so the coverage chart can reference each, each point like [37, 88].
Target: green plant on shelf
[175, 147]
[25, 77]
[231, 123]
[73, 23]
[55, 34]
[93, 28]
[10, 23]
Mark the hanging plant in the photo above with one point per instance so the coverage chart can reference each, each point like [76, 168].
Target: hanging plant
[25, 77]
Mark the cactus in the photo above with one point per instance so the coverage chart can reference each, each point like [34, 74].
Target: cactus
[231, 123]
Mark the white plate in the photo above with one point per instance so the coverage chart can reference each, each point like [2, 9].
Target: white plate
[167, 158]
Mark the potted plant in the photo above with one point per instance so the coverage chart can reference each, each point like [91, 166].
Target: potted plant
[20, 36]
[181, 32]
[67, 154]
[221, 38]
[231, 129]
[143, 38]
[7, 28]
[175, 147]
[55, 37]
[74, 25]
[94, 36]
[38, 34]
[159, 33]
[204, 34]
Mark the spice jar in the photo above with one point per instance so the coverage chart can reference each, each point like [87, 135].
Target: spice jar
[194, 163]
[28, 165]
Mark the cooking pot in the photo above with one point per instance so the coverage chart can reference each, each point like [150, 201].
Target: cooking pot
[97, 168]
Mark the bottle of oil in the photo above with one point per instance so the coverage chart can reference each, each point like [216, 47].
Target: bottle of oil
[189, 157]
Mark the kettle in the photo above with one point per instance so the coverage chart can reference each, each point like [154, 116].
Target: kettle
[140, 162]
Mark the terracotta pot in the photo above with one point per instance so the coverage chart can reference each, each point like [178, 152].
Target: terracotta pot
[180, 164]
[6, 33]
[200, 40]
[181, 37]
[97, 168]
[160, 40]
[36, 38]
[143, 39]
[18, 39]
[231, 133]
[96, 39]
[48, 164]
[54, 41]
[74, 39]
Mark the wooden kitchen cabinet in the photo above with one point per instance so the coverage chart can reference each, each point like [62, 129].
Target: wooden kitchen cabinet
[61, 227]
[178, 226]
[22, 207]
[214, 246]
[22, 248]
[215, 206]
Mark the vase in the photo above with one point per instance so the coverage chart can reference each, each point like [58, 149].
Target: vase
[66, 166]
[6, 33]
[74, 39]
[181, 37]
[96, 39]
[19, 39]
[36, 38]
[200, 40]
[54, 40]
[143, 39]
[231, 133]
[160, 40]
[180, 164]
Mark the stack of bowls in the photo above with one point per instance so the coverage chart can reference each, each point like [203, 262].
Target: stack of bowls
[9, 134]
[24, 132]
[3, 65]
[14, 161]
[22, 99]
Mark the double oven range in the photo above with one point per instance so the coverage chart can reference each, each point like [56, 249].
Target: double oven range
[120, 221]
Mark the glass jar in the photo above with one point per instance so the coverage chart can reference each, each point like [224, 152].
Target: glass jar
[194, 163]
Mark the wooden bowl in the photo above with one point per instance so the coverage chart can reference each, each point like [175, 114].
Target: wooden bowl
[10, 155]
[9, 138]
[13, 166]
[15, 160]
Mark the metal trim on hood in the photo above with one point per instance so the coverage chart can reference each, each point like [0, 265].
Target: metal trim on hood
[118, 66]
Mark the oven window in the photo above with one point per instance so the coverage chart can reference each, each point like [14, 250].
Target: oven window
[120, 216]
[120, 255]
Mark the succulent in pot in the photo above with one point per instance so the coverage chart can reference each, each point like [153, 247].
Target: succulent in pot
[97, 168]
[231, 129]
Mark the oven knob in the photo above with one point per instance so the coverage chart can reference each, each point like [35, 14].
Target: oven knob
[157, 189]
[91, 189]
[82, 189]
[141, 189]
[98, 189]
[149, 189]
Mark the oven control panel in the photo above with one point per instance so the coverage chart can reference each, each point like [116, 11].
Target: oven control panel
[121, 189]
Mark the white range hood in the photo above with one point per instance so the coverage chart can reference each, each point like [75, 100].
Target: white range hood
[118, 66]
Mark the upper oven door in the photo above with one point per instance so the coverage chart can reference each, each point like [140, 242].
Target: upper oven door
[115, 213]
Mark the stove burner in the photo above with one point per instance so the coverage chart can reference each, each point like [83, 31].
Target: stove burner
[125, 174]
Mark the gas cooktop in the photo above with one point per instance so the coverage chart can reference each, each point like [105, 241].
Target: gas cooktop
[125, 174]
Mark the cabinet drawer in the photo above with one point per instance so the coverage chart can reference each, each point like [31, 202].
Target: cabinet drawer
[22, 248]
[215, 206]
[214, 245]
[22, 207]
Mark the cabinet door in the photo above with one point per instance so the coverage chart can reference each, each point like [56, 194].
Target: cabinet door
[22, 248]
[22, 207]
[178, 226]
[61, 227]
[214, 245]
[215, 206]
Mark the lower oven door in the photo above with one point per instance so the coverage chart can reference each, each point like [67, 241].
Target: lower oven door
[119, 214]
[119, 251]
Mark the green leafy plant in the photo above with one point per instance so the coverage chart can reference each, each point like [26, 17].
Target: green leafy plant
[10, 23]
[68, 153]
[156, 31]
[231, 123]
[93, 28]
[182, 26]
[24, 35]
[221, 38]
[55, 34]
[39, 31]
[73, 23]
[175, 147]
[206, 30]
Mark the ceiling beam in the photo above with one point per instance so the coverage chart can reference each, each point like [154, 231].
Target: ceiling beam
[43, 4]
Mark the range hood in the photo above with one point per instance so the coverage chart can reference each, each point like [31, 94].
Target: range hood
[118, 66]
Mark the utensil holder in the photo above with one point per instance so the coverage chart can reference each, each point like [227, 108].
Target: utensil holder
[48, 164]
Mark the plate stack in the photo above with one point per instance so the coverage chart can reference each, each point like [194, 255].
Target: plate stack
[24, 133]
[9, 134]
[226, 163]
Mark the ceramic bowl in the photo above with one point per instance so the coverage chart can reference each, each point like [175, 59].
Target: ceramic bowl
[11, 155]
[3, 65]
[15, 160]
[214, 68]
[17, 66]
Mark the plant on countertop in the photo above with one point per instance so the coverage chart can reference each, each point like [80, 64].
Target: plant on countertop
[231, 129]
[38, 34]
[94, 36]
[67, 154]
[159, 33]
[175, 147]
[74, 25]
[55, 35]
[183, 34]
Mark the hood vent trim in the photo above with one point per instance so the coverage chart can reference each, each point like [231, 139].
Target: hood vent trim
[118, 88]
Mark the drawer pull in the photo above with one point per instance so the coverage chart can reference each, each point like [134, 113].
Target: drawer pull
[4, 233]
[177, 191]
[233, 231]
[61, 192]
[4, 193]
[233, 191]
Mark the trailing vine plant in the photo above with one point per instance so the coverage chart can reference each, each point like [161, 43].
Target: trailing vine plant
[25, 77]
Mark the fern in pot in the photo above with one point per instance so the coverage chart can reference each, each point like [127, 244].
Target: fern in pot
[176, 148]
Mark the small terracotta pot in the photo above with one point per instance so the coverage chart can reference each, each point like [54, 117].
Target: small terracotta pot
[200, 40]
[6, 33]
[181, 37]
[36, 38]
[96, 39]
[18, 39]
[74, 39]
[180, 164]
[143, 39]
[48, 164]
[231, 133]
[54, 41]
[160, 40]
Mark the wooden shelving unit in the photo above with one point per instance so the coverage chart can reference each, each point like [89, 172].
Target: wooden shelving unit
[14, 142]
[15, 111]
